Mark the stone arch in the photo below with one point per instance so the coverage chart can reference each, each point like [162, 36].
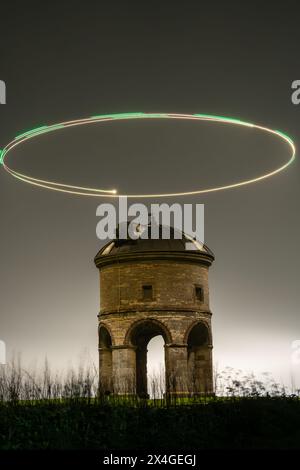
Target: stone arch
[138, 336]
[105, 358]
[164, 330]
[195, 323]
[108, 329]
[198, 339]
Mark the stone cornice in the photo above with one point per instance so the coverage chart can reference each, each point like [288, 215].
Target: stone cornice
[173, 256]
[153, 309]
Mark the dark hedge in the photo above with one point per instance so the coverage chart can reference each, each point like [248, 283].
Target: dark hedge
[82, 424]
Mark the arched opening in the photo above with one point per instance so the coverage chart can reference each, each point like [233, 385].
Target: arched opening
[156, 383]
[140, 336]
[105, 360]
[199, 359]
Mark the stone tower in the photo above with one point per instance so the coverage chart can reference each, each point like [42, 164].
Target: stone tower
[148, 288]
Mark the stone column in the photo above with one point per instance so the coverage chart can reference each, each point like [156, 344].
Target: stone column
[176, 369]
[200, 373]
[124, 370]
[141, 370]
[105, 370]
[209, 372]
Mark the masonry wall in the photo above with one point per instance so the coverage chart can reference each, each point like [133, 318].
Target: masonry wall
[173, 285]
[173, 311]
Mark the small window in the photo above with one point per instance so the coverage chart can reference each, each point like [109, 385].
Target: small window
[147, 292]
[199, 293]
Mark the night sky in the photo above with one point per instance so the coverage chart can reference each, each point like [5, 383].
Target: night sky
[69, 60]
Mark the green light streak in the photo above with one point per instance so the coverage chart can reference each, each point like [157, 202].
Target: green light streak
[129, 115]
[223, 119]
[47, 129]
[285, 136]
[160, 115]
[39, 130]
[32, 131]
[118, 115]
[84, 191]
[100, 116]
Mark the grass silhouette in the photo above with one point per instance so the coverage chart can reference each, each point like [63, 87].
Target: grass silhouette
[45, 410]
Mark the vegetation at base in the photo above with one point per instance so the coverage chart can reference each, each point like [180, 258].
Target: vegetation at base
[43, 412]
[80, 424]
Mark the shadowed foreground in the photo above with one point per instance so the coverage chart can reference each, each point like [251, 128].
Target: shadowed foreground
[88, 424]
[44, 410]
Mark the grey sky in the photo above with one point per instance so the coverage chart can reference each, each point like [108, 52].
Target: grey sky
[78, 59]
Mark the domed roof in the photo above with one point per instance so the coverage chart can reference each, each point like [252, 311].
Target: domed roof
[184, 245]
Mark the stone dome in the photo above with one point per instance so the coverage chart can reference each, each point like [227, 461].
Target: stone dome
[126, 247]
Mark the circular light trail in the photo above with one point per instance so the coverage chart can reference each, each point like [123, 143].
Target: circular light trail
[96, 192]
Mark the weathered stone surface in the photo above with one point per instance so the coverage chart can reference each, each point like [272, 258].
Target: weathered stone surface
[127, 321]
